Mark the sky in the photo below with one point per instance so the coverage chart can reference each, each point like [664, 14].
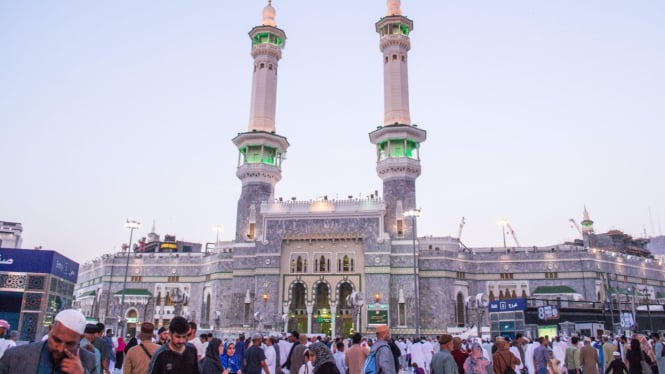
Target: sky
[533, 109]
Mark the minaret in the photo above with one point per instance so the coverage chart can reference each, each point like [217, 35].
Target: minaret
[261, 149]
[587, 228]
[398, 140]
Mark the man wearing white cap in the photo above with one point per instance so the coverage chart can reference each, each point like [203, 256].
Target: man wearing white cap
[59, 354]
[4, 343]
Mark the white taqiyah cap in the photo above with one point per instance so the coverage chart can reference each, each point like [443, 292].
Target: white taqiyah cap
[73, 320]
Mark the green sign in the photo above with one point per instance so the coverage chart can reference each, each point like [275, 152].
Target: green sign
[377, 314]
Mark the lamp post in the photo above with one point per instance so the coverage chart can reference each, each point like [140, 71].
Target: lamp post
[131, 225]
[647, 294]
[414, 213]
[503, 223]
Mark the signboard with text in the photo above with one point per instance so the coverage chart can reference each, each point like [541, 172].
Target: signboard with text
[508, 305]
[377, 314]
[548, 313]
[627, 320]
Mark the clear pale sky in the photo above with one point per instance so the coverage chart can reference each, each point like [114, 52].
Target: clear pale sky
[126, 109]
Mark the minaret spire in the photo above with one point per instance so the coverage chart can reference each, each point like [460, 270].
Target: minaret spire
[398, 140]
[587, 223]
[269, 15]
[261, 149]
[394, 8]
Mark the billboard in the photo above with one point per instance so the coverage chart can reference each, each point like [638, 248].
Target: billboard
[508, 305]
[38, 261]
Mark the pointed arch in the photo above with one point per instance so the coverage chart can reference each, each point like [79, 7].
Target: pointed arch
[459, 310]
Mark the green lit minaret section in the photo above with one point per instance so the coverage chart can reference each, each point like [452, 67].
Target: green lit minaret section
[261, 149]
[397, 141]
[587, 228]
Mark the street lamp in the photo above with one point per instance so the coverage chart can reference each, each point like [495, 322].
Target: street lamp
[131, 225]
[647, 294]
[414, 213]
[503, 223]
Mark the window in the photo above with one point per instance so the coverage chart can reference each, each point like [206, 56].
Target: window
[346, 264]
[136, 279]
[551, 275]
[506, 275]
[461, 320]
[251, 233]
[400, 228]
[461, 275]
[174, 278]
[401, 314]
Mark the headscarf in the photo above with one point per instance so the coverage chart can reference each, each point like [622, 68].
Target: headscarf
[230, 362]
[644, 344]
[476, 362]
[213, 349]
[323, 355]
[121, 344]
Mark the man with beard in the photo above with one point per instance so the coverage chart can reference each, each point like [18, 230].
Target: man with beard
[176, 356]
[60, 353]
[162, 336]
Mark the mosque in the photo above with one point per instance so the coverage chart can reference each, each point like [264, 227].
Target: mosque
[335, 266]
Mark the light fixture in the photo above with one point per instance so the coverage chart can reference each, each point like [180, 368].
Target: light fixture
[265, 296]
[131, 225]
[377, 297]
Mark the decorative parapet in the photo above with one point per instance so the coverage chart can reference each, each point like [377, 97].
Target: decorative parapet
[309, 207]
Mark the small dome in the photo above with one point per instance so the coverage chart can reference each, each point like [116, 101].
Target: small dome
[394, 8]
[269, 15]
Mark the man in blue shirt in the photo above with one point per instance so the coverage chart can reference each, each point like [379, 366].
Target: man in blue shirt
[541, 356]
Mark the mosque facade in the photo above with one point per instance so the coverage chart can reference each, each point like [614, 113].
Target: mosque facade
[334, 266]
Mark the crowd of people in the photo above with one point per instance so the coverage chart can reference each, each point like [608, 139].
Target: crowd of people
[74, 346]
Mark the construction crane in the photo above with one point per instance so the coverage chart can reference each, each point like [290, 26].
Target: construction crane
[512, 233]
[574, 223]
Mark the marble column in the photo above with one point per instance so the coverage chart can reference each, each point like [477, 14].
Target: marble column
[310, 309]
[333, 319]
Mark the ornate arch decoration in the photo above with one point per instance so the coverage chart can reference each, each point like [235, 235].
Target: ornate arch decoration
[330, 295]
[289, 299]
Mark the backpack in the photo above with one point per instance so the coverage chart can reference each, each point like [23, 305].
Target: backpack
[370, 366]
[508, 369]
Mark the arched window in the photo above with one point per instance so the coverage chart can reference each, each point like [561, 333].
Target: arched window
[347, 263]
[159, 298]
[168, 301]
[299, 265]
[293, 265]
[322, 264]
[207, 311]
[491, 296]
[500, 295]
[461, 320]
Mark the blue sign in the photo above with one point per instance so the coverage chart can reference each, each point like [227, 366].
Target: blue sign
[508, 305]
[38, 261]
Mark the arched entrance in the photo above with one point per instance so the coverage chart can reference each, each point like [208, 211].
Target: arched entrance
[322, 316]
[345, 322]
[297, 307]
[132, 320]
